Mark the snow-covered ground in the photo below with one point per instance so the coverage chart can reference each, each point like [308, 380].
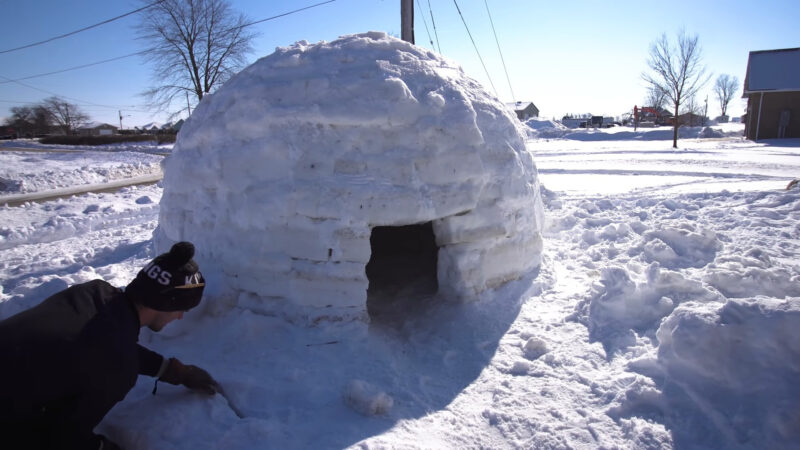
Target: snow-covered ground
[665, 314]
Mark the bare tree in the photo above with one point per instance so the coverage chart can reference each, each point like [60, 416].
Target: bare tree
[676, 69]
[656, 97]
[725, 88]
[29, 120]
[194, 46]
[65, 115]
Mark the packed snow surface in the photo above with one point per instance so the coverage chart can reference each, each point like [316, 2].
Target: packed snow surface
[280, 176]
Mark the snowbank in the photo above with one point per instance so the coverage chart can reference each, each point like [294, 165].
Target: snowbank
[281, 176]
[548, 129]
[139, 147]
[732, 366]
[545, 128]
[25, 172]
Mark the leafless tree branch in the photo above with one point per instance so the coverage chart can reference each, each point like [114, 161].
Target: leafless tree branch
[65, 115]
[725, 89]
[194, 46]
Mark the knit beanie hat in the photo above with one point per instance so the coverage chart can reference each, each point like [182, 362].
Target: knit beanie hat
[171, 282]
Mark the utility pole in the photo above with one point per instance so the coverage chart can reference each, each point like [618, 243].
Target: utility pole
[407, 20]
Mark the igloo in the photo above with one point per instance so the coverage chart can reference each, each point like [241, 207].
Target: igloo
[326, 173]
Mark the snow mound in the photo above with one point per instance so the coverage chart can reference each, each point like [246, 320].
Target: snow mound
[541, 130]
[618, 303]
[678, 248]
[732, 366]
[545, 128]
[281, 176]
[709, 132]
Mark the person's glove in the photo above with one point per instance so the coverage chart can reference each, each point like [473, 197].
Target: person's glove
[190, 376]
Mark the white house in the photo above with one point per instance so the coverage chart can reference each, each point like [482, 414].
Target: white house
[97, 129]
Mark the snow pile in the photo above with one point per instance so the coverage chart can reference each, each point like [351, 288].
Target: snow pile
[735, 365]
[541, 130]
[281, 176]
[721, 308]
[545, 128]
[24, 172]
[619, 304]
[151, 147]
[708, 132]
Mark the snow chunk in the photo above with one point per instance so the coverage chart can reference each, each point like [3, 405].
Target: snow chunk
[618, 303]
[678, 248]
[366, 399]
[534, 348]
[281, 175]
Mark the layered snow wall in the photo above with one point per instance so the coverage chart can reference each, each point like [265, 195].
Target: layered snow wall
[280, 176]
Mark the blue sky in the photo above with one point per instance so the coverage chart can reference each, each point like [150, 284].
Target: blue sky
[566, 57]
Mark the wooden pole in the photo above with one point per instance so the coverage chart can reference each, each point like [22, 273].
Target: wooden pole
[407, 20]
[758, 121]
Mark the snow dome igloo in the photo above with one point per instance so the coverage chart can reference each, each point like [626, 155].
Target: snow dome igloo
[326, 176]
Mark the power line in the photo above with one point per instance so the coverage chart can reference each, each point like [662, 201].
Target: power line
[435, 33]
[284, 14]
[145, 51]
[426, 25]
[59, 95]
[476, 49]
[74, 68]
[81, 30]
[17, 81]
[513, 97]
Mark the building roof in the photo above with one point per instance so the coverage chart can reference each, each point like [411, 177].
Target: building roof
[773, 70]
[93, 125]
[519, 106]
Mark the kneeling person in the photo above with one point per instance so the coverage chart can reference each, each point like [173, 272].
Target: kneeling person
[70, 359]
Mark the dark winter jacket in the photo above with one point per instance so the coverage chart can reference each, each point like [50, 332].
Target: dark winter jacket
[65, 363]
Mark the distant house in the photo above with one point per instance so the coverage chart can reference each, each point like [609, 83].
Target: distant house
[150, 128]
[171, 128]
[524, 110]
[772, 90]
[97, 129]
[656, 116]
[691, 119]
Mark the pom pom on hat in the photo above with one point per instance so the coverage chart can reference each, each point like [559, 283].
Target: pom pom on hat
[171, 282]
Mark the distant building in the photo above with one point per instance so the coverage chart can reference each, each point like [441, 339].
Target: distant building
[150, 128]
[97, 129]
[524, 110]
[772, 90]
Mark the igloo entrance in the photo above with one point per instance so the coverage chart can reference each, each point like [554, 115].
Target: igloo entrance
[401, 269]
